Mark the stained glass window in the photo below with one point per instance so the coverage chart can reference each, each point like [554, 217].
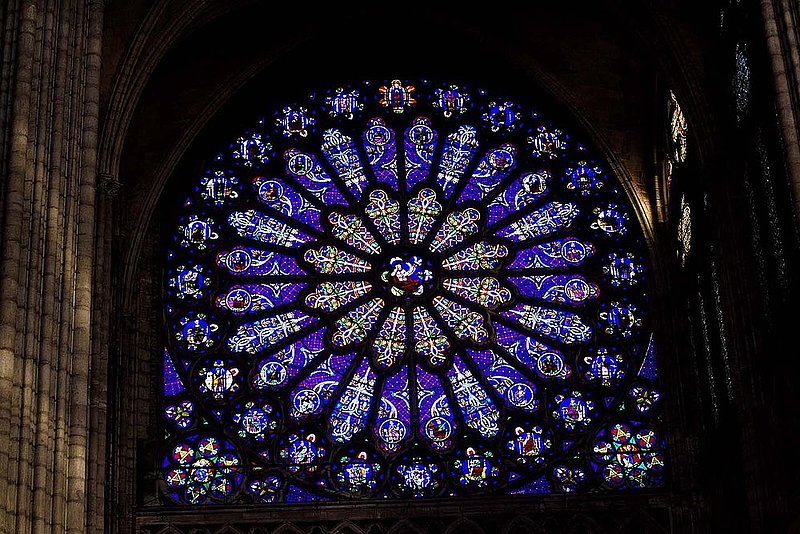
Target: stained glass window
[406, 289]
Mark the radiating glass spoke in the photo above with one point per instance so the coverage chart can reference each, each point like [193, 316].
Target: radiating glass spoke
[253, 298]
[492, 169]
[561, 325]
[349, 414]
[390, 343]
[459, 149]
[479, 412]
[422, 213]
[392, 425]
[260, 335]
[354, 327]
[329, 259]
[261, 227]
[311, 396]
[548, 219]
[436, 423]
[381, 149]
[330, 296]
[349, 229]
[486, 291]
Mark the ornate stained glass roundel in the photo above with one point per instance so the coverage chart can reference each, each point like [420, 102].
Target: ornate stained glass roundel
[406, 290]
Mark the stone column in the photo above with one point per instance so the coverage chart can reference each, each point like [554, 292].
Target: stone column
[782, 29]
[52, 376]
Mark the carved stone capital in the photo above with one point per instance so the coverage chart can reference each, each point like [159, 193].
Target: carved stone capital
[109, 185]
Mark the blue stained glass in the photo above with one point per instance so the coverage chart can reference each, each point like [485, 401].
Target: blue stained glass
[219, 379]
[537, 487]
[172, 381]
[349, 414]
[429, 340]
[196, 332]
[358, 474]
[266, 489]
[621, 319]
[422, 213]
[486, 291]
[253, 298]
[277, 369]
[196, 233]
[466, 324]
[298, 494]
[340, 151]
[562, 288]
[477, 469]
[312, 394]
[528, 444]
[459, 149]
[567, 252]
[189, 281]
[251, 150]
[584, 178]
[329, 259]
[481, 255]
[518, 392]
[390, 344]
[569, 478]
[255, 420]
[261, 227]
[573, 410]
[644, 399]
[478, 410]
[249, 261]
[381, 148]
[218, 187]
[501, 116]
[295, 121]
[357, 324]
[344, 104]
[548, 143]
[521, 193]
[180, 414]
[564, 326]
[649, 368]
[419, 143]
[611, 220]
[457, 226]
[623, 269]
[349, 229]
[436, 423]
[451, 100]
[492, 169]
[303, 453]
[604, 367]
[392, 425]
[260, 335]
[329, 296]
[305, 168]
[550, 218]
[546, 361]
[384, 212]
[418, 477]
[283, 198]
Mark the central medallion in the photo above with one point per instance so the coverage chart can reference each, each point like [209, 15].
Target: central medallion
[407, 276]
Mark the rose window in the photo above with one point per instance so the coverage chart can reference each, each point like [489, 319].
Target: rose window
[406, 290]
